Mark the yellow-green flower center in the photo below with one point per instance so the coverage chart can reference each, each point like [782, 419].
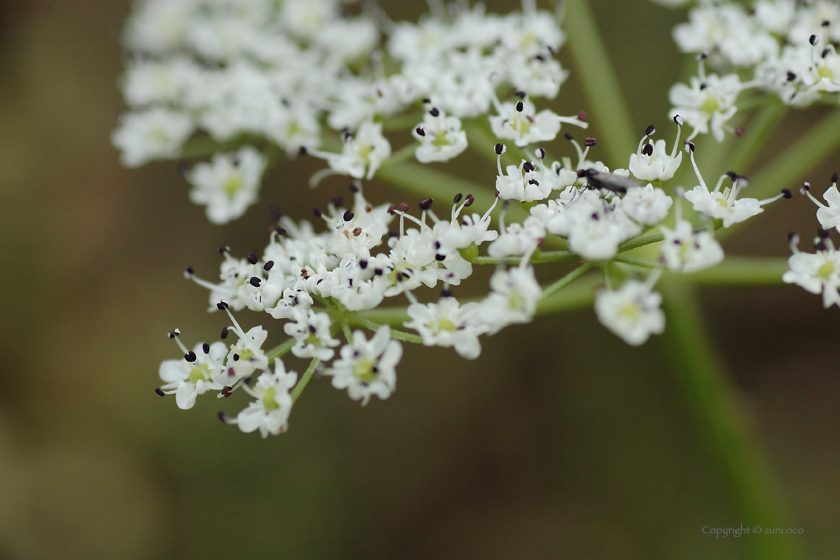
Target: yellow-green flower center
[825, 72]
[444, 324]
[826, 270]
[268, 400]
[233, 185]
[363, 371]
[630, 311]
[710, 106]
[440, 141]
[197, 375]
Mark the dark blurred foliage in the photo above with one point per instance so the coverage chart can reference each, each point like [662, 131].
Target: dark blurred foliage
[559, 442]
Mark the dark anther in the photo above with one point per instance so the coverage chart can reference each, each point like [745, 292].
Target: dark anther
[814, 40]
[824, 53]
[702, 56]
[568, 136]
[540, 153]
[520, 106]
[205, 348]
[446, 293]
[338, 201]
[280, 231]
[224, 249]
[247, 380]
[834, 178]
[500, 148]
[825, 23]
[426, 100]
[255, 282]
[348, 216]
[457, 198]
[317, 212]
[791, 76]
[691, 146]
[434, 112]
[391, 209]
[823, 233]
[732, 175]
[312, 329]
[440, 258]
[226, 392]
[393, 233]
[582, 116]
[253, 258]
[190, 356]
[354, 188]
[222, 305]
[806, 186]
[224, 333]
[403, 207]
[363, 264]
[534, 182]
[236, 357]
[268, 266]
[650, 131]
[160, 392]
[521, 94]
[527, 167]
[419, 130]
[302, 151]
[377, 272]
[469, 201]
[357, 231]
[436, 244]
[426, 203]
[703, 86]
[786, 193]
[791, 236]
[820, 245]
[648, 150]
[184, 167]
[739, 131]
[223, 417]
[274, 214]
[589, 141]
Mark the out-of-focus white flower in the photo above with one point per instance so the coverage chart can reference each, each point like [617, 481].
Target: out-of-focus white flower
[816, 273]
[270, 412]
[152, 134]
[440, 137]
[632, 312]
[447, 323]
[228, 185]
[367, 367]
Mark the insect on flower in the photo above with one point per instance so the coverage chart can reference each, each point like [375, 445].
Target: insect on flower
[608, 181]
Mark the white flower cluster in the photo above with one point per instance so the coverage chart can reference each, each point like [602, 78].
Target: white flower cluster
[280, 75]
[296, 75]
[780, 46]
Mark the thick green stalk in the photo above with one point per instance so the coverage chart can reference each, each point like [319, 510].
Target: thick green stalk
[600, 84]
[740, 271]
[757, 133]
[399, 335]
[304, 380]
[280, 350]
[734, 450]
[566, 280]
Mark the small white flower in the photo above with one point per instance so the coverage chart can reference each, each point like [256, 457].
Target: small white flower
[518, 239]
[363, 152]
[367, 367]
[646, 205]
[447, 323]
[685, 250]
[816, 273]
[155, 133]
[270, 412]
[632, 312]
[520, 122]
[312, 331]
[828, 216]
[709, 101]
[514, 297]
[521, 183]
[228, 185]
[651, 162]
[193, 375]
[440, 137]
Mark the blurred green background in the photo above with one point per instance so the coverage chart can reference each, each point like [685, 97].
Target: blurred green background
[559, 442]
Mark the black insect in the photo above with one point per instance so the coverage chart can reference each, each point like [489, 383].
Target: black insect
[615, 183]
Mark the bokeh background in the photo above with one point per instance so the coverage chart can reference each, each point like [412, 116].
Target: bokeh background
[559, 442]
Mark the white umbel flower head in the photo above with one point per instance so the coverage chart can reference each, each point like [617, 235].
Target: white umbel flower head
[646, 205]
[228, 185]
[520, 122]
[367, 367]
[708, 102]
[687, 251]
[363, 152]
[514, 297]
[633, 311]
[651, 162]
[312, 331]
[270, 412]
[440, 137]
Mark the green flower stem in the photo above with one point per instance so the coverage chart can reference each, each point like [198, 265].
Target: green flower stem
[281, 350]
[578, 295]
[399, 335]
[307, 375]
[542, 257]
[740, 271]
[635, 261]
[711, 397]
[639, 242]
[401, 155]
[805, 154]
[566, 280]
[600, 84]
[759, 131]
